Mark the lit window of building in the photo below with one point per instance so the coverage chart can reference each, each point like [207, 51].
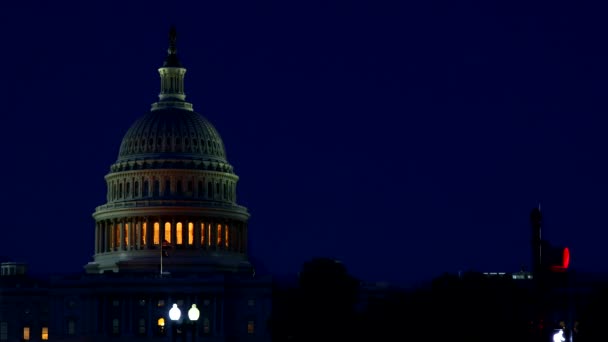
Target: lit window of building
[26, 333]
[160, 303]
[168, 232]
[160, 324]
[3, 331]
[144, 230]
[179, 233]
[219, 234]
[226, 235]
[125, 234]
[44, 335]
[156, 233]
[250, 327]
[190, 233]
[203, 235]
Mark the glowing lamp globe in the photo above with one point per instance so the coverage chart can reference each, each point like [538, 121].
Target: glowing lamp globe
[194, 313]
[175, 313]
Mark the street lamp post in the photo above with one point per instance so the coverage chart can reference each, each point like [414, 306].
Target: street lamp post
[193, 315]
[174, 314]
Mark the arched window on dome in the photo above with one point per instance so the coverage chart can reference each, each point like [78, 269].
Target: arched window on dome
[190, 188]
[128, 190]
[179, 230]
[156, 233]
[217, 190]
[201, 189]
[146, 189]
[167, 232]
[190, 233]
[209, 190]
[136, 189]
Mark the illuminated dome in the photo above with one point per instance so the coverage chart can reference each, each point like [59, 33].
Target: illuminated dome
[171, 192]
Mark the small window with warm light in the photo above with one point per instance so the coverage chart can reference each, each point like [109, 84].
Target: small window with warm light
[44, 335]
[26, 333]
[250, 327]
[160, 303]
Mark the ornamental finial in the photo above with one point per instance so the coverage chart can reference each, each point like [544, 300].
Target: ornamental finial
[172, 38]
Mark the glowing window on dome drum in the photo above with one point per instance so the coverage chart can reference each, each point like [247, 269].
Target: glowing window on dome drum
[143, 233]
[156, 233]
[209, 234]
[226, 235]
[125, 234]
[116, 236]
[168, 232]
[190, 233]
[219, 235]
[179, 233]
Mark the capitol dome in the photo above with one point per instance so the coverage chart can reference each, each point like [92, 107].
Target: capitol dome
[171, 191]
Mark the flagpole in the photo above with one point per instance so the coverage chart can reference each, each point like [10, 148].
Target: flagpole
[161, 259]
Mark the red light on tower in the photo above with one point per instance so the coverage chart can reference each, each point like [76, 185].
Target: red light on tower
[565, 261]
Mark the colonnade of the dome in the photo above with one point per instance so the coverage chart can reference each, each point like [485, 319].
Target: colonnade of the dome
[142, 233]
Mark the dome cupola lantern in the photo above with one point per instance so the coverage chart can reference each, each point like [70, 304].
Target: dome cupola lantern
[172, 79]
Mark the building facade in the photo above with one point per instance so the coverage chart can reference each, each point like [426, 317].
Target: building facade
[170, 234]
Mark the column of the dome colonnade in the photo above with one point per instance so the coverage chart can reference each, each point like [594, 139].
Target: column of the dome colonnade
[213, 230]
[197, 234]
[112, 235]
[96, 249]
[137, 228]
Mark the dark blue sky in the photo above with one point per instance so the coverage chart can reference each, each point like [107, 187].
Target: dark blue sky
[406, 140]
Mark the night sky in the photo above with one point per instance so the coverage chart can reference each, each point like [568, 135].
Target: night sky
[406, 140]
